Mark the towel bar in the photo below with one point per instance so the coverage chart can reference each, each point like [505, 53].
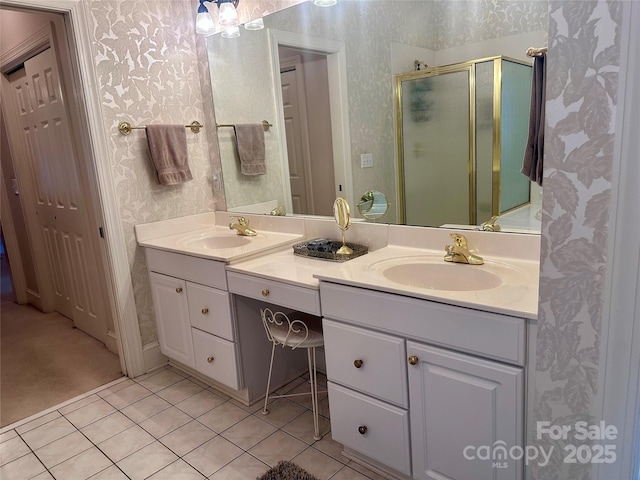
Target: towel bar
[266, 125]
[125, 127]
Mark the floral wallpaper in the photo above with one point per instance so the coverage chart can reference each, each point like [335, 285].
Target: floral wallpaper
[148, 72]
[581, 106]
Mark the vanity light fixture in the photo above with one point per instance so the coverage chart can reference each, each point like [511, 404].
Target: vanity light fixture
[325, 3]
[257, 24]
[231, 32]
[228, 16]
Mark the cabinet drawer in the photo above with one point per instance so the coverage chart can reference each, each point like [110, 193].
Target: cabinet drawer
[278, 293]
[371, 427]
[216, 358]
[210, 310]
[371, 362]
[195, 269]
[490, 335]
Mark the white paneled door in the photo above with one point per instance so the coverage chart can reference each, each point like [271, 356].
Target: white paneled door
[55, 200]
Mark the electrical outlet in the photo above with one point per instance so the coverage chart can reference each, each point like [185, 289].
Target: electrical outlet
[366, 160]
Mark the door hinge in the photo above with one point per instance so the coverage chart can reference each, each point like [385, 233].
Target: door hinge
[101, 230]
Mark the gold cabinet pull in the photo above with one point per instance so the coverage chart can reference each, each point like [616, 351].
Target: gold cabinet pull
[209, 359]
[179, 290]
[265, 292]
[413, 360]
[362, 429]
[205, 311]
[358, 363]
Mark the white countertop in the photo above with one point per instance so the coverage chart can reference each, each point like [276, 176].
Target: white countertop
[284, 266]
[518, 298]
[178, 235]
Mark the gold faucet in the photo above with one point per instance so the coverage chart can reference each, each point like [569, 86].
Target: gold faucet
[278, 211]
[242, 227]
[491, 225]
[459, 251]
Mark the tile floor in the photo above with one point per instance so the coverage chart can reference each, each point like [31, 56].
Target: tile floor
[166, 425]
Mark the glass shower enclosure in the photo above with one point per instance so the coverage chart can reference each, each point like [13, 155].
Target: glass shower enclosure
[461, 134]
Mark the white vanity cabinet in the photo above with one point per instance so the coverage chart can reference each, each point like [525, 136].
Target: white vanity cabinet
[431, 380]
[193, 314]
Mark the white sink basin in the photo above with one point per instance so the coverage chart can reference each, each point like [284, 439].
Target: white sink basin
[216, 241]
[433, 273]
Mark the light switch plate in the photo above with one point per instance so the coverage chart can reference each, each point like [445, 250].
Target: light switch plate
[366, 160]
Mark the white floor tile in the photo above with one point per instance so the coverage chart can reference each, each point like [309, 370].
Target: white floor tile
[49, 432]
[145, 408]
[213, 455]
[223, 417]
[37, 422]
[162, 379]
[317, 463]
[184, 439]
[90, 413]
[302, 427]
[80, 403]
[82, 466]
[179, 391]
[62, 449]
[200, 403]
[242, 468]
[110, 473]
[277, 447]
[127, 396]
[23, 468]
[177, 470]
[147, 461]
[248, 432]
[126, 443]
[106, 427]
[165, 422]
[12, 449]
[281, 412]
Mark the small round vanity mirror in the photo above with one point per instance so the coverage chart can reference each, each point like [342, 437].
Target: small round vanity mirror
[373, 205]
[342, 216]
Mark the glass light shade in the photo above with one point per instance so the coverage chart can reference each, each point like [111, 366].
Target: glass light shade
[325, 3]
[205, 24]
[231, 32]
[257, 24]
[228, 15]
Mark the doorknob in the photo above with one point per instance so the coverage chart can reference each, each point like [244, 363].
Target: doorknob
[413, 360]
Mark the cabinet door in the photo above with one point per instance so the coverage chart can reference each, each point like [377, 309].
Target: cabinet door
[458, 404]
[210, 310]
[172, 317]
[216, 358]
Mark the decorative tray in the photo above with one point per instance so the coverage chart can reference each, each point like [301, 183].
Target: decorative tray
[330, 251]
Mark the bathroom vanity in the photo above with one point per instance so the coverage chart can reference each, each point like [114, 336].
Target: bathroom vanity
[426, 361]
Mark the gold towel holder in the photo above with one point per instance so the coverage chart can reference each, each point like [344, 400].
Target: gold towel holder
[536, 52]
[266, 125]
[125, 127]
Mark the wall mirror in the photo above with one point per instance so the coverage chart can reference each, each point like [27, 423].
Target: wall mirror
[324, 77]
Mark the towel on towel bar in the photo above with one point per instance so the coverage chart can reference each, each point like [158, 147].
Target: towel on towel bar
[168, 148]
[250, 145]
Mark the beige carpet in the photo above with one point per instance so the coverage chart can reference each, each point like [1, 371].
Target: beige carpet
[45, 361]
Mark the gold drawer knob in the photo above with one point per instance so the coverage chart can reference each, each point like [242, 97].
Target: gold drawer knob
[265, 293]
[205, 311]
[209, 359]
[179, 290]
[413, 360]
[362, 429]
[358, 363]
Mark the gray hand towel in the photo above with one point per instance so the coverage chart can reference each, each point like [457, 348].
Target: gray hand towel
[250, 144]
[168, 148]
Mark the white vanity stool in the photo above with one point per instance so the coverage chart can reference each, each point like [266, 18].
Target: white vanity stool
[281, 330]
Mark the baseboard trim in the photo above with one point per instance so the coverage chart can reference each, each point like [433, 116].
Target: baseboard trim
[153, 357]
[374, 466]
[111, 342]
[33, 298]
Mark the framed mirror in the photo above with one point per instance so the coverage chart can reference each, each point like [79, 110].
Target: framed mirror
[353, 145]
